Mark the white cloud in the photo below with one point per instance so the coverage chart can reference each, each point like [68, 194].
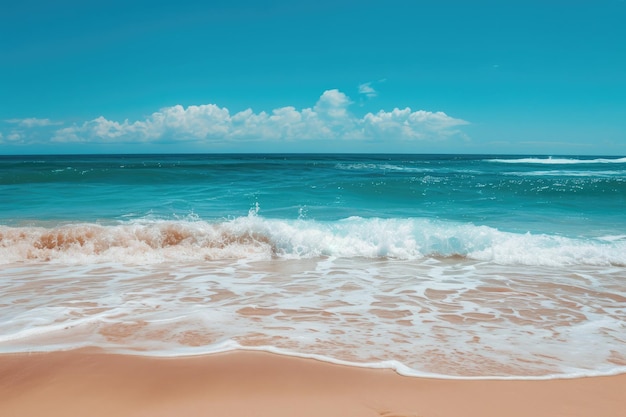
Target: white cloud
[367, 90]
[14, 137]
[329, 118]
[332, 104]
[27, 131]
[406, 124]
[32, 122]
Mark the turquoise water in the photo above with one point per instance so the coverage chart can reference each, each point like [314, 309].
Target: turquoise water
[582, 196]
[516, 262]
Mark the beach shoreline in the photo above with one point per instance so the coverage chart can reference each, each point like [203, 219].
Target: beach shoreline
[252, 383]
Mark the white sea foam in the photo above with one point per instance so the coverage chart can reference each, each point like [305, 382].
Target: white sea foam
[612, 238]
[382, 167]
[453, 318]
[256, 238]
[560, 161]
[568, 173]
[404, 168]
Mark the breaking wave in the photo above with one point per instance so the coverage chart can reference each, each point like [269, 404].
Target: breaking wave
[255, 237]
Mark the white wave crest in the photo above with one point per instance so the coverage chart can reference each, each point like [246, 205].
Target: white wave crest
[255, 237]
[560, 161]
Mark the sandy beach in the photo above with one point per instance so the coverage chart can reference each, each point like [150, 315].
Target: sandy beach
[246, 383]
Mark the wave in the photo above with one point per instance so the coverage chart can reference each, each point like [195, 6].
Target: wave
[254, 237]
[387, 167]
[563, 173]
[560, 161]
[381, 167]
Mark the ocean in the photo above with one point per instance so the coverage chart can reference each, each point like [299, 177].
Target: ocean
[452, 266]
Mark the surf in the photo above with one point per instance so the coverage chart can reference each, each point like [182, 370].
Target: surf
[259, 238]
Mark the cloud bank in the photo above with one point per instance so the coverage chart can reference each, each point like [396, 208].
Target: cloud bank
[328, 119]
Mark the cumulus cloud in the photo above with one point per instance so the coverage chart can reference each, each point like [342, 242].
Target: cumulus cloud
[407, 124]
[329, 119]
[332, 104]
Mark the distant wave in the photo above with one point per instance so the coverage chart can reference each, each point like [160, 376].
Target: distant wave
[403, 168]
[560, 161]
[380, 167]
[255, 237]
[564, 173]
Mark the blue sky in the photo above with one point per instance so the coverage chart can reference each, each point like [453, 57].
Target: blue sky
[539, 77]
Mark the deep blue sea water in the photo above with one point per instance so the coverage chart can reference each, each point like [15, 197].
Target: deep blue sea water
[448, 253]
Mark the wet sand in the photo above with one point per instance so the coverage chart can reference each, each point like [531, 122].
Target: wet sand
[91, 383]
